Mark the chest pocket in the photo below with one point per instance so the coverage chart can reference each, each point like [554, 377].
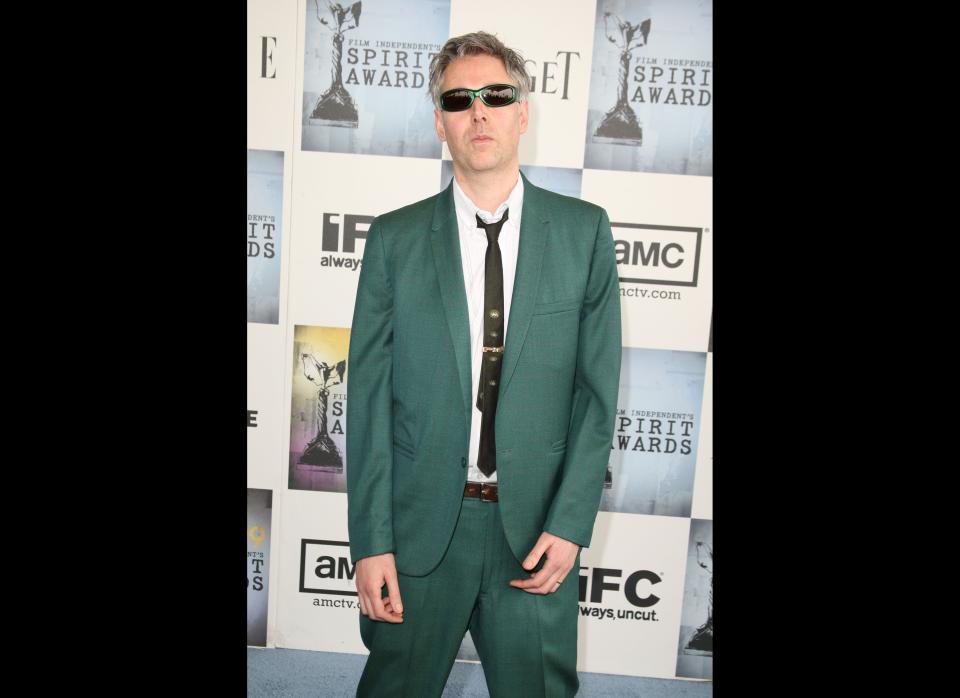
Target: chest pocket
[560, 306]
[553, 333]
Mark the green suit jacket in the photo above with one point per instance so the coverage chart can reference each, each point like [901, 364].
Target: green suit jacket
[409, 380]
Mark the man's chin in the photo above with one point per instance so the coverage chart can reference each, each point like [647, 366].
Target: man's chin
[483, 164]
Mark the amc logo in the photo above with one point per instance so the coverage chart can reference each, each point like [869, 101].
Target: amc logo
[596, 581]
[657, 254]
[325, 567]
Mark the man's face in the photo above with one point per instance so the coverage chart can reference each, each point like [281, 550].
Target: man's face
[481, 138]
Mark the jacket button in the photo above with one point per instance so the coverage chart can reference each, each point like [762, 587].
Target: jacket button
[463, 462]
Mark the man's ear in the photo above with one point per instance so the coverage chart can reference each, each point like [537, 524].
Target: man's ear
[524, 115]
[438, 122]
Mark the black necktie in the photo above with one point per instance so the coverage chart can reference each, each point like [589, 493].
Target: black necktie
[492, 345]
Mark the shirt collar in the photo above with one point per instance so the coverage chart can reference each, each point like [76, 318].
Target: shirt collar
[468, 210]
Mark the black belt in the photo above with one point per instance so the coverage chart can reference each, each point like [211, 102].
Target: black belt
[484, 491]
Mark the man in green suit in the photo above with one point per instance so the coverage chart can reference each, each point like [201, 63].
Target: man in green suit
[483, 371]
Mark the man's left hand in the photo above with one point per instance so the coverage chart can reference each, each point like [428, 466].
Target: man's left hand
[561, 555]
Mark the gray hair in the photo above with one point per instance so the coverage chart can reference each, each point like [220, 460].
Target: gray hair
[473, 44]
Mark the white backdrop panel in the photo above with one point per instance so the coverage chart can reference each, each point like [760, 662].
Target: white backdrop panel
[270, 99]
[645, 557]
[658, 315]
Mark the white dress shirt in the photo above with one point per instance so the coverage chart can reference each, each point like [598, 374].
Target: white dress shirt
[473, 251]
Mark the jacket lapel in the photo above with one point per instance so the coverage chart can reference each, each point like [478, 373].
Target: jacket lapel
[445, 239]
[534, 228]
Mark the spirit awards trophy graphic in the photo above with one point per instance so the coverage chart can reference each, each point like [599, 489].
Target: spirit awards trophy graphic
[257, 534]
[701, 642]
[620, 123]
[335, 106]
[321, 451]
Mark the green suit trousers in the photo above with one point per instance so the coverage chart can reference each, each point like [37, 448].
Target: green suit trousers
[527, 642]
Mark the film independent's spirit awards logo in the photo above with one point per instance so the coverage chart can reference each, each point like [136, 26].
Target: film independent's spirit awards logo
[322, 451]
[335, 106]
[620, 124]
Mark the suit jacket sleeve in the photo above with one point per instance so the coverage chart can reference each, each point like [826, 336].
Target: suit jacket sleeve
[370, 406]
[596, 383]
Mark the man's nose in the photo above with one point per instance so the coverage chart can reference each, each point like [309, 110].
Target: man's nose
[478, 110]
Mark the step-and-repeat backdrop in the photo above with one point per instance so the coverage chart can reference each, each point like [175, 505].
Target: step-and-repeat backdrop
[340, 130]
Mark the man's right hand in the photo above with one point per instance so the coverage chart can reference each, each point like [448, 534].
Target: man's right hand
[372, 573]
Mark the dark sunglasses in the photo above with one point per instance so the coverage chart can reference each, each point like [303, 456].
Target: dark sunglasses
[461, 98]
